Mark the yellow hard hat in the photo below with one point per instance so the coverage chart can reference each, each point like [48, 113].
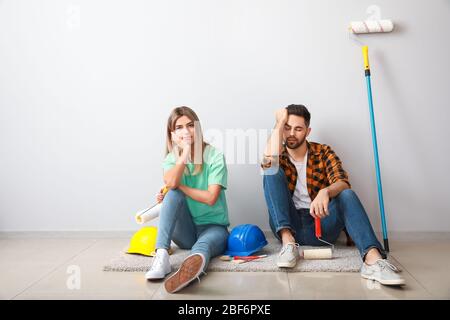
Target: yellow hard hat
[144, 241]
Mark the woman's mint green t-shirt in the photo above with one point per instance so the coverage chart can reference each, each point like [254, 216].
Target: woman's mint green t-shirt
[214, 171]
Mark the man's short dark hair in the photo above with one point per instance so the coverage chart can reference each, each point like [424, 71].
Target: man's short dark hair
[301, 111]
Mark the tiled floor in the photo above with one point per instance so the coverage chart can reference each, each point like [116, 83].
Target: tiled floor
[36, 267]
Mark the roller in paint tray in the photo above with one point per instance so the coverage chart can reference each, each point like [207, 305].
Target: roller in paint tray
[371, 26]
[151, 213]
[318, 254]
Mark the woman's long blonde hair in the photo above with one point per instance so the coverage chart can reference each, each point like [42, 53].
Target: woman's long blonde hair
[199, 143]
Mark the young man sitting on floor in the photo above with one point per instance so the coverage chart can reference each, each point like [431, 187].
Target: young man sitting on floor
[305, 180]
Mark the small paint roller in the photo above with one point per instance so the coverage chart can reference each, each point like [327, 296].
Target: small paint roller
[318, 254]
[151, 213]
[371, 26]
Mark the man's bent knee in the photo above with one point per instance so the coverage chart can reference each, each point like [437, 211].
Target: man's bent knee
[347, 194]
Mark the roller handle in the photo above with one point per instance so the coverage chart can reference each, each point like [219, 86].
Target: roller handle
[365, 51]
[164, 190]
[318, 228]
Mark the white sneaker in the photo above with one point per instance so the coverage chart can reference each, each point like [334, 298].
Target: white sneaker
[383, 272]
[288, 256]
[191, 269]
[160, 267]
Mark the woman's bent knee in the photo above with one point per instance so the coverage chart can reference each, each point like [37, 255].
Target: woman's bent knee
[174, 195]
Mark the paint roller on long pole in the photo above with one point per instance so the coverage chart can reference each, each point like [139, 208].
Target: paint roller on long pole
[374, 26]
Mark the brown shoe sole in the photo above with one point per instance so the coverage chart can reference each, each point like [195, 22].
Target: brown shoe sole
[189, 270]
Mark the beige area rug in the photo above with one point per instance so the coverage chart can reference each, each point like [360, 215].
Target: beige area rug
[345, 259]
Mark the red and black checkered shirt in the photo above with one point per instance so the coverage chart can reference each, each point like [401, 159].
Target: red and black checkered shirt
[323, 169]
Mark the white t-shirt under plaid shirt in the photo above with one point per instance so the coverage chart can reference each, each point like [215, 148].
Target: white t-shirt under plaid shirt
[301, 196]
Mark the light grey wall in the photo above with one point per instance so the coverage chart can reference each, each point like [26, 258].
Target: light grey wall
[86, 88]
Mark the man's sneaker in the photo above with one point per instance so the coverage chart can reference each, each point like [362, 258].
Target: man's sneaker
[288, 256]
[190, 269]
[160, 267]
[383, 272]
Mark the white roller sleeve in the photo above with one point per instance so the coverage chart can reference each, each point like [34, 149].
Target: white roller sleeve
[317, 254]
[371, 26]
[148, 214]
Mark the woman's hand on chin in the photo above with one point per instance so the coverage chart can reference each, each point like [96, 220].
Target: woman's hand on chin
[184, 141]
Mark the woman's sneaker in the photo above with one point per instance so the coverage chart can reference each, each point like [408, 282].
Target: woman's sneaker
[160, 267]
[288, 256]
[383, 272]
[190, 269]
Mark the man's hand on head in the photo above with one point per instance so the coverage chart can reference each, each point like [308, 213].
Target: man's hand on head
[281, 116]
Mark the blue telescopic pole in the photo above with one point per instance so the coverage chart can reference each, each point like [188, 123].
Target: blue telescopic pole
[375, 147]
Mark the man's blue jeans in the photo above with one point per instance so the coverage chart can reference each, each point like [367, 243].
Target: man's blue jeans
[175, 223]
[345, 211]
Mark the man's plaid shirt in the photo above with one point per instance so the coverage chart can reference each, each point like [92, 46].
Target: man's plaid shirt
[323, 169]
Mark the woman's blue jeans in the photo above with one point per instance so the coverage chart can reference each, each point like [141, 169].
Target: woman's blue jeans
[175, 223]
